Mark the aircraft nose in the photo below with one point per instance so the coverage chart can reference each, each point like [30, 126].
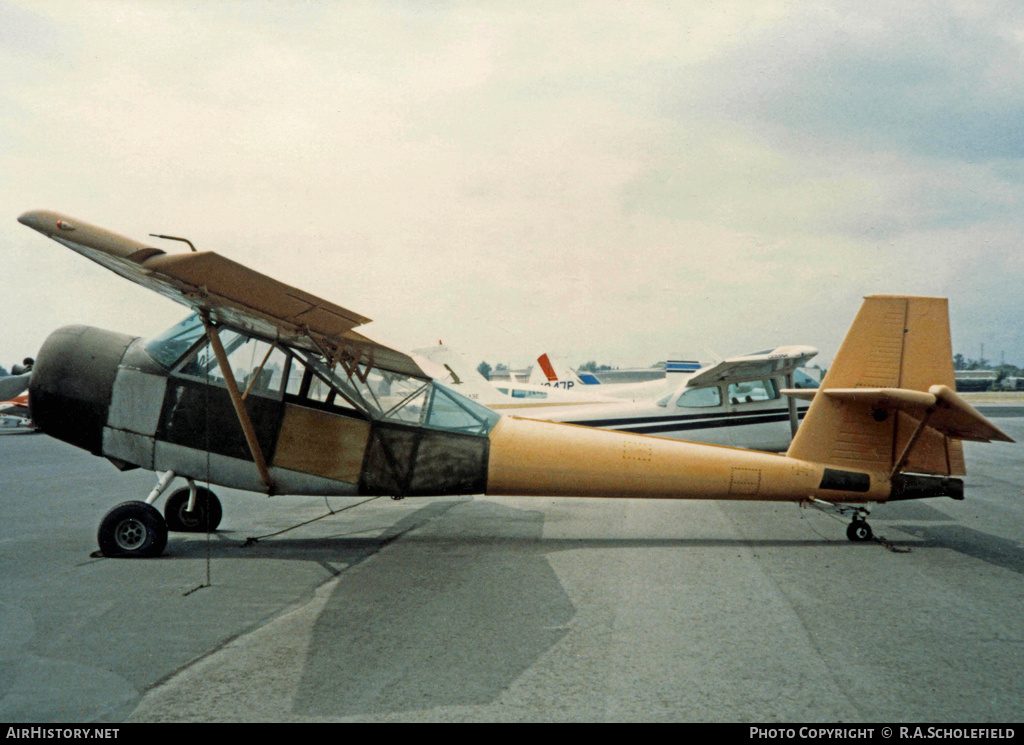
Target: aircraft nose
[72, 382]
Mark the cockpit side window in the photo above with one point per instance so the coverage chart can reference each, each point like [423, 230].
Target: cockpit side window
[258, 366]
[753, 391]
[306, 388]
[407, 399]
[700, 398]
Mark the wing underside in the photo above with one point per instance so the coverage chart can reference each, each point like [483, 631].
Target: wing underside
[752, 367]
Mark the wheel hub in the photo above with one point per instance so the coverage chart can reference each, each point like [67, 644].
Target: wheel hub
[130, 534]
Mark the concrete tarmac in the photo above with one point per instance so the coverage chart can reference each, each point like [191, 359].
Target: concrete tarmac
[497, 609]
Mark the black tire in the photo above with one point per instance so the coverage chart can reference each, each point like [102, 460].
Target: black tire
[132, 530]
[204, 518]
[859, 531]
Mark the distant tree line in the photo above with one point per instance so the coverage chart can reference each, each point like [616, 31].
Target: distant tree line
[485, 369]
[1002, 370]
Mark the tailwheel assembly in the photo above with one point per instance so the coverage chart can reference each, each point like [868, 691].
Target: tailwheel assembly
[859, 530]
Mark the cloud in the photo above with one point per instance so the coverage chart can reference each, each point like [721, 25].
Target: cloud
[615, 183]
[938, 80]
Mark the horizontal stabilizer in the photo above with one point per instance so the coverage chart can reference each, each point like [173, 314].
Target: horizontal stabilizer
[940, 407]
[887, 401]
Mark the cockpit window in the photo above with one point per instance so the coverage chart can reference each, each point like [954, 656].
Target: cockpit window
[257, 365]
[265, 368]
[753, 391]
[455, 413]
[175, 341]
[407, 399]
[700, 398]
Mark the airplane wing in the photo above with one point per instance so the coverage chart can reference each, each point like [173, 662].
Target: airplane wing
[778, 361]
[230, 292]
[19, 410]
[13, 385]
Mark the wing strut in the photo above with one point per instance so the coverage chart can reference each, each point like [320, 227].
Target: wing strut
[237, 402]
[794, 416]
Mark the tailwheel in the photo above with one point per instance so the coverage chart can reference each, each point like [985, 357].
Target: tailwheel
[205, 517]
[859, 530]
[132, 530]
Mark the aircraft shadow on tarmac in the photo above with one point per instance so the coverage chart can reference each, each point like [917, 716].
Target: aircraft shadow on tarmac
[351, 549]
[932, 528]
[471, 602]
[445, 622]
[992, 549]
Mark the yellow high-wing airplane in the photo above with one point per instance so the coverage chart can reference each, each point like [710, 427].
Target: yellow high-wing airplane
[269, 389]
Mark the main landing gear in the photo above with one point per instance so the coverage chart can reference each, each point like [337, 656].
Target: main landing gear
[136, 529]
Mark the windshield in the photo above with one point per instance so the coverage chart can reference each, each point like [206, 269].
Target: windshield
[175, 341]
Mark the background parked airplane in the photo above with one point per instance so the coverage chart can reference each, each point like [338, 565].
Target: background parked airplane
[738, 401]
[451, 368]
[552, 374]
[13, 396]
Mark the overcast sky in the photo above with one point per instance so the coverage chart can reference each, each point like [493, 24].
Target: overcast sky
[615, 181]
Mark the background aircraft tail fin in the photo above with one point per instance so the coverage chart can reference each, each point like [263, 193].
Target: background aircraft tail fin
[887, 402]
[452, 369]
[551, 372]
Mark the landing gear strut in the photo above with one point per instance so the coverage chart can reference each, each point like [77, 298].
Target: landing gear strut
[205, 515]
[137, 529]
[858, 530]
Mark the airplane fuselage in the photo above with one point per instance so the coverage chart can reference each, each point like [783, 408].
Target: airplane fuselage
[269, 389]
[763, 424]
[125, 399]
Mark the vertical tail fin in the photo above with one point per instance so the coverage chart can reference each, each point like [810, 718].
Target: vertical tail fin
[857, 420]
[548, 372]
[456, 372]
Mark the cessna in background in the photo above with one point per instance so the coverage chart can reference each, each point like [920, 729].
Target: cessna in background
[739, 401]
[270, 389]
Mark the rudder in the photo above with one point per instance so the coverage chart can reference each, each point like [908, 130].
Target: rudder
[895, 342]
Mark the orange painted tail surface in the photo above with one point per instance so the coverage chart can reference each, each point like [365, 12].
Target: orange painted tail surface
[896, 342]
